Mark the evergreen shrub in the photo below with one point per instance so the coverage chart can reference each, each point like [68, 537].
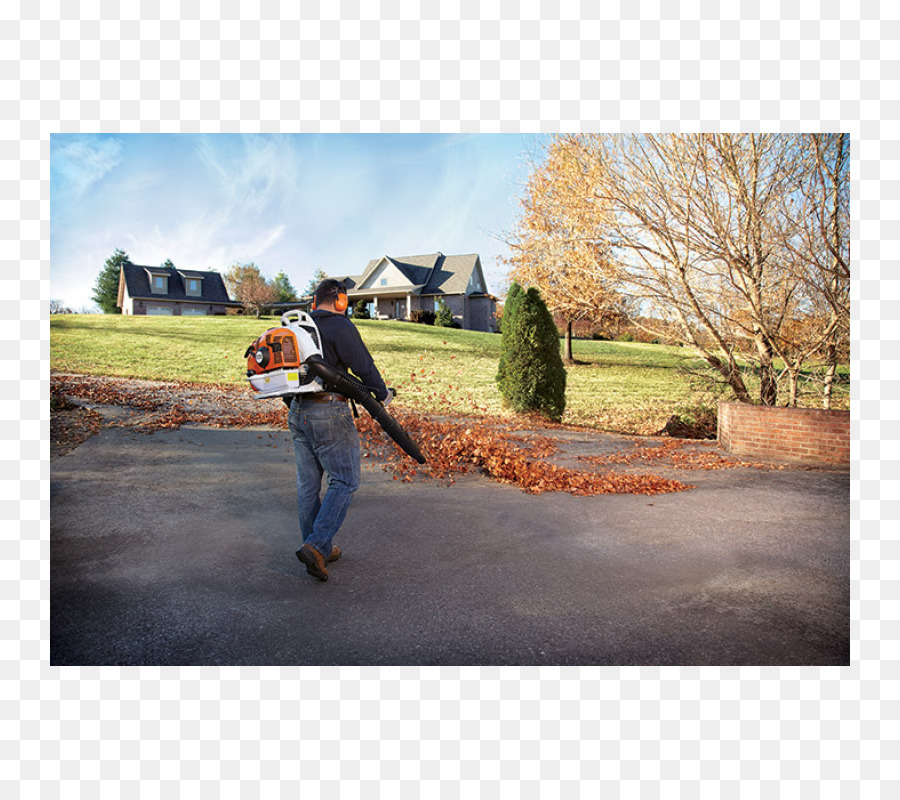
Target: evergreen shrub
[443, 318]
[534, 375]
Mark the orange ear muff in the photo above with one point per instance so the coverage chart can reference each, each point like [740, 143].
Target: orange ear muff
[341, 303]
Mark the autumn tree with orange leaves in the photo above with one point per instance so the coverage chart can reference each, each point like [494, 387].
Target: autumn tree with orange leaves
[739, 242]
[556, 247]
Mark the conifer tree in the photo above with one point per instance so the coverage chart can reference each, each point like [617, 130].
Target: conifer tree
[535, 378]
[106, 287]
[361, 310]
[443, 318]
[284, 291]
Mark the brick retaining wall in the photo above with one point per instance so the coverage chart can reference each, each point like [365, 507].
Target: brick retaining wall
[807, 435]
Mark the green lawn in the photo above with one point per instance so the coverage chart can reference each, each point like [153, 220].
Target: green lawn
[620, 386]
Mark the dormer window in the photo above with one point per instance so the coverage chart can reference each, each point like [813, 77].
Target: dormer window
[160, 284]
[192, 287]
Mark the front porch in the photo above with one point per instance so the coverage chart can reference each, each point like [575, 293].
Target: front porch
[388, 305]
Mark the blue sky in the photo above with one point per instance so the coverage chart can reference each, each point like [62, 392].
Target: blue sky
[291, 203]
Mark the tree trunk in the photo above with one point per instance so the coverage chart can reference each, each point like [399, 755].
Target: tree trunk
[831, 372]
[768, 385]
[768, 380]
[793, 381]
[567, 352]
[830, 375]
[730, 373]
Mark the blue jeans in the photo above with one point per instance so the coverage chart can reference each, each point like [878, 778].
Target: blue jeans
[325, 441]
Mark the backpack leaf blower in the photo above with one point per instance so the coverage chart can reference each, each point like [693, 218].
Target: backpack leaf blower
[287, 360]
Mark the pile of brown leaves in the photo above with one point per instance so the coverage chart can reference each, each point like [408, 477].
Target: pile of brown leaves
[458, 446]
[172, 404]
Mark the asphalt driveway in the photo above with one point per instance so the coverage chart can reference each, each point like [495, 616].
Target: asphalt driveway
[178, 548]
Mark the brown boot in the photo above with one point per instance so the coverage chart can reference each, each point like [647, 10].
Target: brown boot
[314, 560]
[335, 554]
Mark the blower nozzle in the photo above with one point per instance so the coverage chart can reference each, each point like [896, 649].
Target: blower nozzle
[339, 381]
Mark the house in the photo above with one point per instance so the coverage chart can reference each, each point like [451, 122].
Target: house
[394, 287]
[172, 291]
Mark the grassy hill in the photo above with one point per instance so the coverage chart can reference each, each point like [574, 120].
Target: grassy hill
[620, 386]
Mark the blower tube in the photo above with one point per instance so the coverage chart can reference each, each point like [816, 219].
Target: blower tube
[339, 381]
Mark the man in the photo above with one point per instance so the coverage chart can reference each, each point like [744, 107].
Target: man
[325, 438]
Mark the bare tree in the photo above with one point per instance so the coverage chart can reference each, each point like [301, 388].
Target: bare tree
[700, 226]
[820, 248]
[249, 287]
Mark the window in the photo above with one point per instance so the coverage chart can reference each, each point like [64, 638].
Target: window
[159, 284]
[382, 282]
[192, 287]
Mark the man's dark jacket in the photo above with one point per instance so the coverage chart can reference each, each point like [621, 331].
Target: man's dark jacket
[343, 347]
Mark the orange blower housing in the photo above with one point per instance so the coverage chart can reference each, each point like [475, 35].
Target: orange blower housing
[275, 349]
[275, 361]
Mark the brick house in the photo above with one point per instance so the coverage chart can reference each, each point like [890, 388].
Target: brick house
[393, 287]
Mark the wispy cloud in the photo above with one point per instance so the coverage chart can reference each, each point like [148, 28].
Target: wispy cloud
[205, 241]
[255, 174]
[77, 165]
[248, 184]
[219, 199]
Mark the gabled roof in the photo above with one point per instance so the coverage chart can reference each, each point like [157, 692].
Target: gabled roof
[452, 274]
[415, 269]
[137, 281]
[427, 274]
